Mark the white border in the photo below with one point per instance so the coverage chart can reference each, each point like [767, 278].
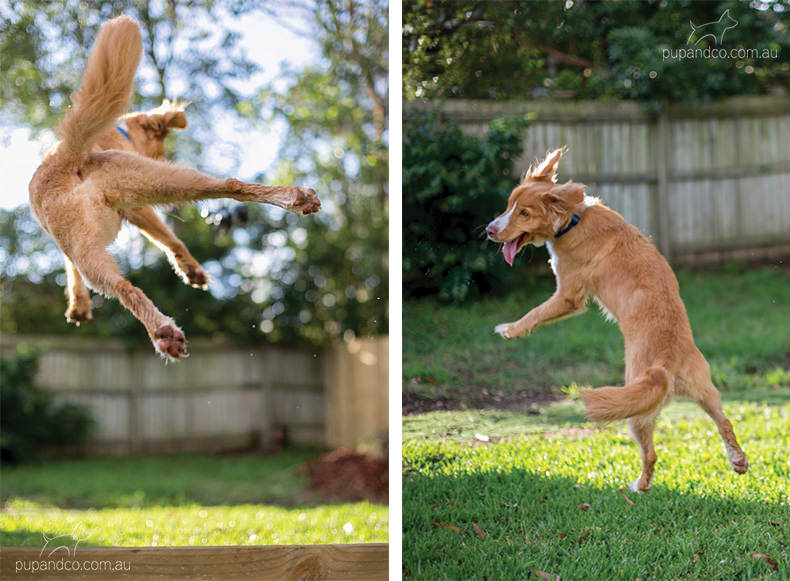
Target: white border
[395, 285]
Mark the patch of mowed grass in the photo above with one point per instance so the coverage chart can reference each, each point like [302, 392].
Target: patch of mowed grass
[179, 500]
[23, 523]
[146, 481]
[738, 315]
[547, 496]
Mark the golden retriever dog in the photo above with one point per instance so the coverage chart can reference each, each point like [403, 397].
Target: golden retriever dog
[596, 253]
[109, 167]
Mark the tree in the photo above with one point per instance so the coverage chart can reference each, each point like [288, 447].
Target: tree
[290, 277]
[45, 44]
[456, 184]
[605, 49]
[337, 118]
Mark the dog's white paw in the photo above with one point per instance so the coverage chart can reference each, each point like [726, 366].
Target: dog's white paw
[737, 460]
[634, 487]
[501, 330]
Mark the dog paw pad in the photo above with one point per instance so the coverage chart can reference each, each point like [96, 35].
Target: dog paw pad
[170, 342]
[306, 201]
[197, 277]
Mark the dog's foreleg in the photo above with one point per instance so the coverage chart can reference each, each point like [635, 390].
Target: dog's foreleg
[559, 306]
[129, 181]
[157, 231]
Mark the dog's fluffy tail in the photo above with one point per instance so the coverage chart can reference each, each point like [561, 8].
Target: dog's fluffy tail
[106, 89]
[643, 395]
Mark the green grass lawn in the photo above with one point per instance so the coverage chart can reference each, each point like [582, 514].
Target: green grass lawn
[178, 500]
[739, 318]
[492, 492]
[495, 494]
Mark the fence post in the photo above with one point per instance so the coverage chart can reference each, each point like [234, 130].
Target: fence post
[135, 445]
[661, 193]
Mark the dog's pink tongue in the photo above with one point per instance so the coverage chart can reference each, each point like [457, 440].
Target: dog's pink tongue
[509, 250]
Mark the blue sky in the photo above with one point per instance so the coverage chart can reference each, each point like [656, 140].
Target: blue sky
[267, 42]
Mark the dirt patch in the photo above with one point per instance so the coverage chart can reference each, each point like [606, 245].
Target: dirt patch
[527, 401]
[346, 475]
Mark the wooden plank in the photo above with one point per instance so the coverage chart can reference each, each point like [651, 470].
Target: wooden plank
[140, 403]
[661, 206]
[364, 562]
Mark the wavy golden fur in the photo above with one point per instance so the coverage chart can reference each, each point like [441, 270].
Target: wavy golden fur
[596, 253]
[108, 167]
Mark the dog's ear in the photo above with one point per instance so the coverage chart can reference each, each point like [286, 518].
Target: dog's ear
[546, 170]
[560, 200]
[175, 119]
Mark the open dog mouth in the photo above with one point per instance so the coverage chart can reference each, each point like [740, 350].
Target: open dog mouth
[510, 249]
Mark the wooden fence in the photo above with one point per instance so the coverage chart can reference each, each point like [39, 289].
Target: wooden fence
[368, 562]
[702, 181]
[357, 376]
[221, 398]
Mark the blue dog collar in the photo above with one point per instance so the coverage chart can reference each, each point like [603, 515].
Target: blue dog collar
[571, 224]
[123, 132]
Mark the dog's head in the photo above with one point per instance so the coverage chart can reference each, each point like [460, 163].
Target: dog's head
[537, 209]
[147, 130]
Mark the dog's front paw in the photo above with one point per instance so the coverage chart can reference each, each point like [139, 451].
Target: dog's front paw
[196, 277]
[78, 313]
[170, 342]
[503, 330]
[305, 201]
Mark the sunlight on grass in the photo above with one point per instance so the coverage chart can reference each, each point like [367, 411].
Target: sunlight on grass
[23, 523]
[547, 495]
[184, 499]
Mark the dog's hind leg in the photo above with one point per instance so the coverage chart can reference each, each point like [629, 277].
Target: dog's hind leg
[642, 428]
[101, 272]
[129, 181]
[79, 308]
[695, 382]
[709, 399]
[178, 254]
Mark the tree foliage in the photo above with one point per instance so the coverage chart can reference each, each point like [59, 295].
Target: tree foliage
[45, 44]
[603, 49]
[31, 420]
[279, 276]
[454, 185]
[337, 115]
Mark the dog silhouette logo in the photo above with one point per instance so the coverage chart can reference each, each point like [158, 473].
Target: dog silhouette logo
[67, 542]
[712, 31]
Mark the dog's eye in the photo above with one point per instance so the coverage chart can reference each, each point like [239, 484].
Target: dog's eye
[525, 213]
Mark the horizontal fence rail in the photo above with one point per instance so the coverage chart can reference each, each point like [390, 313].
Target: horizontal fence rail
[363, 562]
[701, 181]
[222, 398]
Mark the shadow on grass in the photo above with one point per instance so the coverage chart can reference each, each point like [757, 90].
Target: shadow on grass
[510, 524]
[151, 481]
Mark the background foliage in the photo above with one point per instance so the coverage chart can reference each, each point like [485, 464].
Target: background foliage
[30, 418]
[277, 277]
[587, 50]
[453, 185]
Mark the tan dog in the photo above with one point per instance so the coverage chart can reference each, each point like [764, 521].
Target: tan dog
[596, 253]
[107, 168]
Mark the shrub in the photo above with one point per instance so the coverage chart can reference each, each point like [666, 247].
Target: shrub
[453, 185]
[30, 419]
